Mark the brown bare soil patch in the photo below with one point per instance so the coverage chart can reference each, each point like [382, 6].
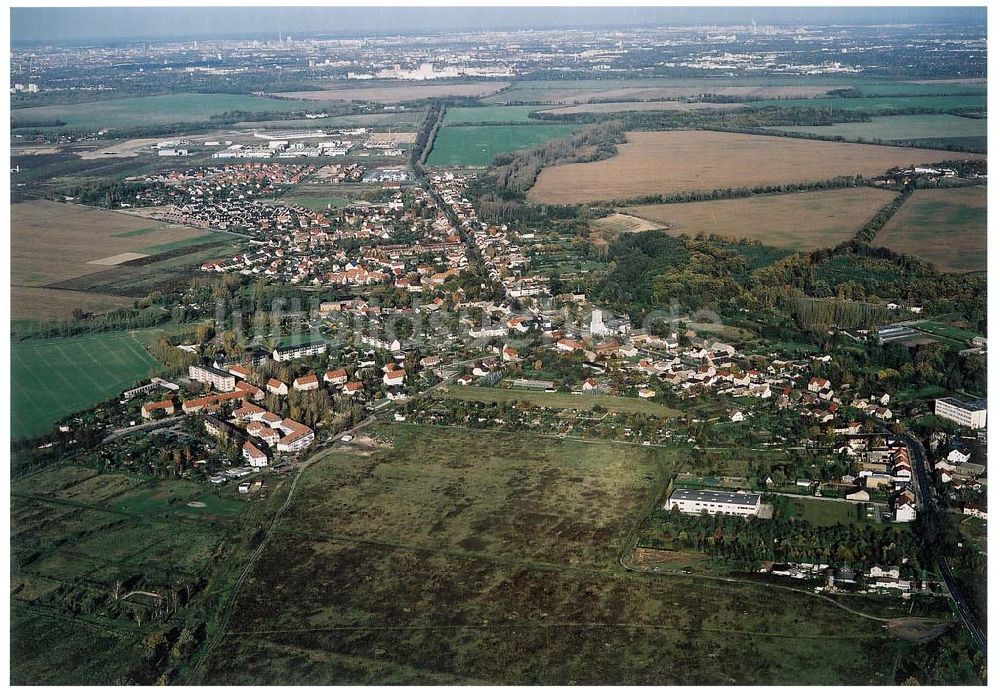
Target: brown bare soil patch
[917, 629]
[399, 92]
[684, 160]
[796, 221]
[126, 148]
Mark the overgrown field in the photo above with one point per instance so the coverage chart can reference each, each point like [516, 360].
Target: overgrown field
[796, 221]
[471, 557]
[152, 111]
[943, 128]
[76, 533]
[567, 401]
[53, 378]
[681, 160]
[946, 227]
[475, 146]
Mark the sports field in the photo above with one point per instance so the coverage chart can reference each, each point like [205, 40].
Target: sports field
[946, 227]
[900, 128]
[51, 379]
[795, 221]
[682, 160]
[454, 556]
[151, 111]
[544, 399]
[475, 146]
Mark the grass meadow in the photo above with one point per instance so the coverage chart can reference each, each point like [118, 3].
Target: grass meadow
[475, 146]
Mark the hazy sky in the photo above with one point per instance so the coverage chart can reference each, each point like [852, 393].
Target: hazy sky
[84, 24]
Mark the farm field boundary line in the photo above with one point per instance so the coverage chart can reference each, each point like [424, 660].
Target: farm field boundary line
[545, 626]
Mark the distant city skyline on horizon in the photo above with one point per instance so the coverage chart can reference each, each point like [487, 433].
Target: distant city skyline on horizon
[115, 24]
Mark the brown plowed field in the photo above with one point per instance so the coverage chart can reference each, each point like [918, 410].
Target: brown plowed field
[684, 160]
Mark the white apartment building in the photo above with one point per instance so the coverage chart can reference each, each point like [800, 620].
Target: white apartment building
[297, 352]
[714, 502]
[971, 414]
[206, 374]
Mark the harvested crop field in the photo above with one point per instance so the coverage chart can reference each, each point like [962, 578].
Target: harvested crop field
[683, 160]
[619, 106]
[394, 93]
[56, 243]
[49, 303]
[795, 221]
[946, 227]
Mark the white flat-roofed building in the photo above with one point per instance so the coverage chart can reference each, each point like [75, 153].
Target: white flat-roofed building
[714, 502]
[971, 414]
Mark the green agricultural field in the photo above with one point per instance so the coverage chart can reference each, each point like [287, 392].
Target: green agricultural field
[153, 111]
[475, 146]
[944, 226]
[454, 556]
[489, 114]
[902, 89]
[181, 244]
[51, 379]
[937, 103]
[544, 399]
[901, 128]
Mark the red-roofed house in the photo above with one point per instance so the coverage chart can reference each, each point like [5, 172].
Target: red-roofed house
[337, 377]
[149, 409]
[394, 377]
